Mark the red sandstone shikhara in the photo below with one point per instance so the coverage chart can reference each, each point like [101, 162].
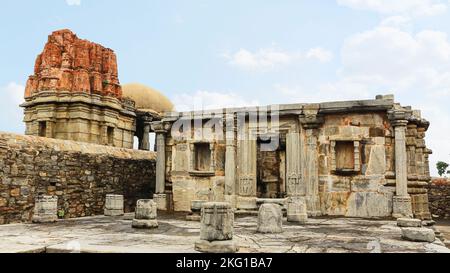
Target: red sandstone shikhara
[72, 64]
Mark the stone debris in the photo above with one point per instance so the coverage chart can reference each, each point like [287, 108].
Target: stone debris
[45, 209]
[270, 219]
[408, 222]
[114, 205]
[145, 214]
[216, 232]
[418, 234]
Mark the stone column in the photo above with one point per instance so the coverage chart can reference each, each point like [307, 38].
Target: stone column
[247, 175]
[311, 120]
[230, 160]
[402, 201]
[146, 137]
[160, 197]
[296, 206]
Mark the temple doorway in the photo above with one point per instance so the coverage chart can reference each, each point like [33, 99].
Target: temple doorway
[271, 171]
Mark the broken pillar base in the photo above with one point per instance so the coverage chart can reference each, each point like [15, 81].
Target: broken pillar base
[402, 207]
[270, 219]
[228, 246]
[161, 201]
[144, 223]
[296, 210]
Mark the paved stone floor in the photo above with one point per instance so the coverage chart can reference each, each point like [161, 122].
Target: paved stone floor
[114, 234]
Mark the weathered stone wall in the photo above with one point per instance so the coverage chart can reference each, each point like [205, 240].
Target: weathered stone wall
[439, 198]
[80, 174]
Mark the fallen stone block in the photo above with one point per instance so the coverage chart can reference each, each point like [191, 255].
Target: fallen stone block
[408, 222]
[418, 234]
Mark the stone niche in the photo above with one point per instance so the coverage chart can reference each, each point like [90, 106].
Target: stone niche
[345, 156]
[202, 157]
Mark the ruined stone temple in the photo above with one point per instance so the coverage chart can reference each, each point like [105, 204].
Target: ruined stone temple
[75, 94]
[364, 158]
[355, 158]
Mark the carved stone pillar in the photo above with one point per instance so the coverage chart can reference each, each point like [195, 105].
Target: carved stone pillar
[402, 201]
[247, 174]
[294, 186]
[230, 159]
[160, 197]
[311, 120]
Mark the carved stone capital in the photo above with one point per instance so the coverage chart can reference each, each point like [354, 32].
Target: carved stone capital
[399, 117]
[161, 127]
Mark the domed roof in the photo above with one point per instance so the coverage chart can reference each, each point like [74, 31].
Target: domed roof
[146, 98]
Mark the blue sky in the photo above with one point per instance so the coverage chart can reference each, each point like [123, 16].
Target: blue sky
[204, 53]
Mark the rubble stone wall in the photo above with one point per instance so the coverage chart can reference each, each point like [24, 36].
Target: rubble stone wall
[439, 198]
[80, 174]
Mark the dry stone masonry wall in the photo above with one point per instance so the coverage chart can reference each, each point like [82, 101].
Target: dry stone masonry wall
[79, 174]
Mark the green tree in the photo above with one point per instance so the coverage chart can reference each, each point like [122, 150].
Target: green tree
[442, 167]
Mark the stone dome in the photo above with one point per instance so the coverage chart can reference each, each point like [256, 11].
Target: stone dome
[147, 98]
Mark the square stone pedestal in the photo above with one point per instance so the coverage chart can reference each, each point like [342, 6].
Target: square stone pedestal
[296, 210]
[160, 200]
[114, 205]
[402, 207]
[45, 209]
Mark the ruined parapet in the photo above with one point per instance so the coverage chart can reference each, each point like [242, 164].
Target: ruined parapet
[114, 205]
[216, 233]
[45, 209]
[145, 214]
[270, 219]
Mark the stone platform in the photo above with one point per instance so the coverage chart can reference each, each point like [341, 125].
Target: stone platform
[103, 234]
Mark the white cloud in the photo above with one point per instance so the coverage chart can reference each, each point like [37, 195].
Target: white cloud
[206, 100]
[411, 7]
[389, 56]
[399, 22]
[12, 115]
[415, 66]
[270, 58]
[73, 2]
[263, 59]
[320, 54]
